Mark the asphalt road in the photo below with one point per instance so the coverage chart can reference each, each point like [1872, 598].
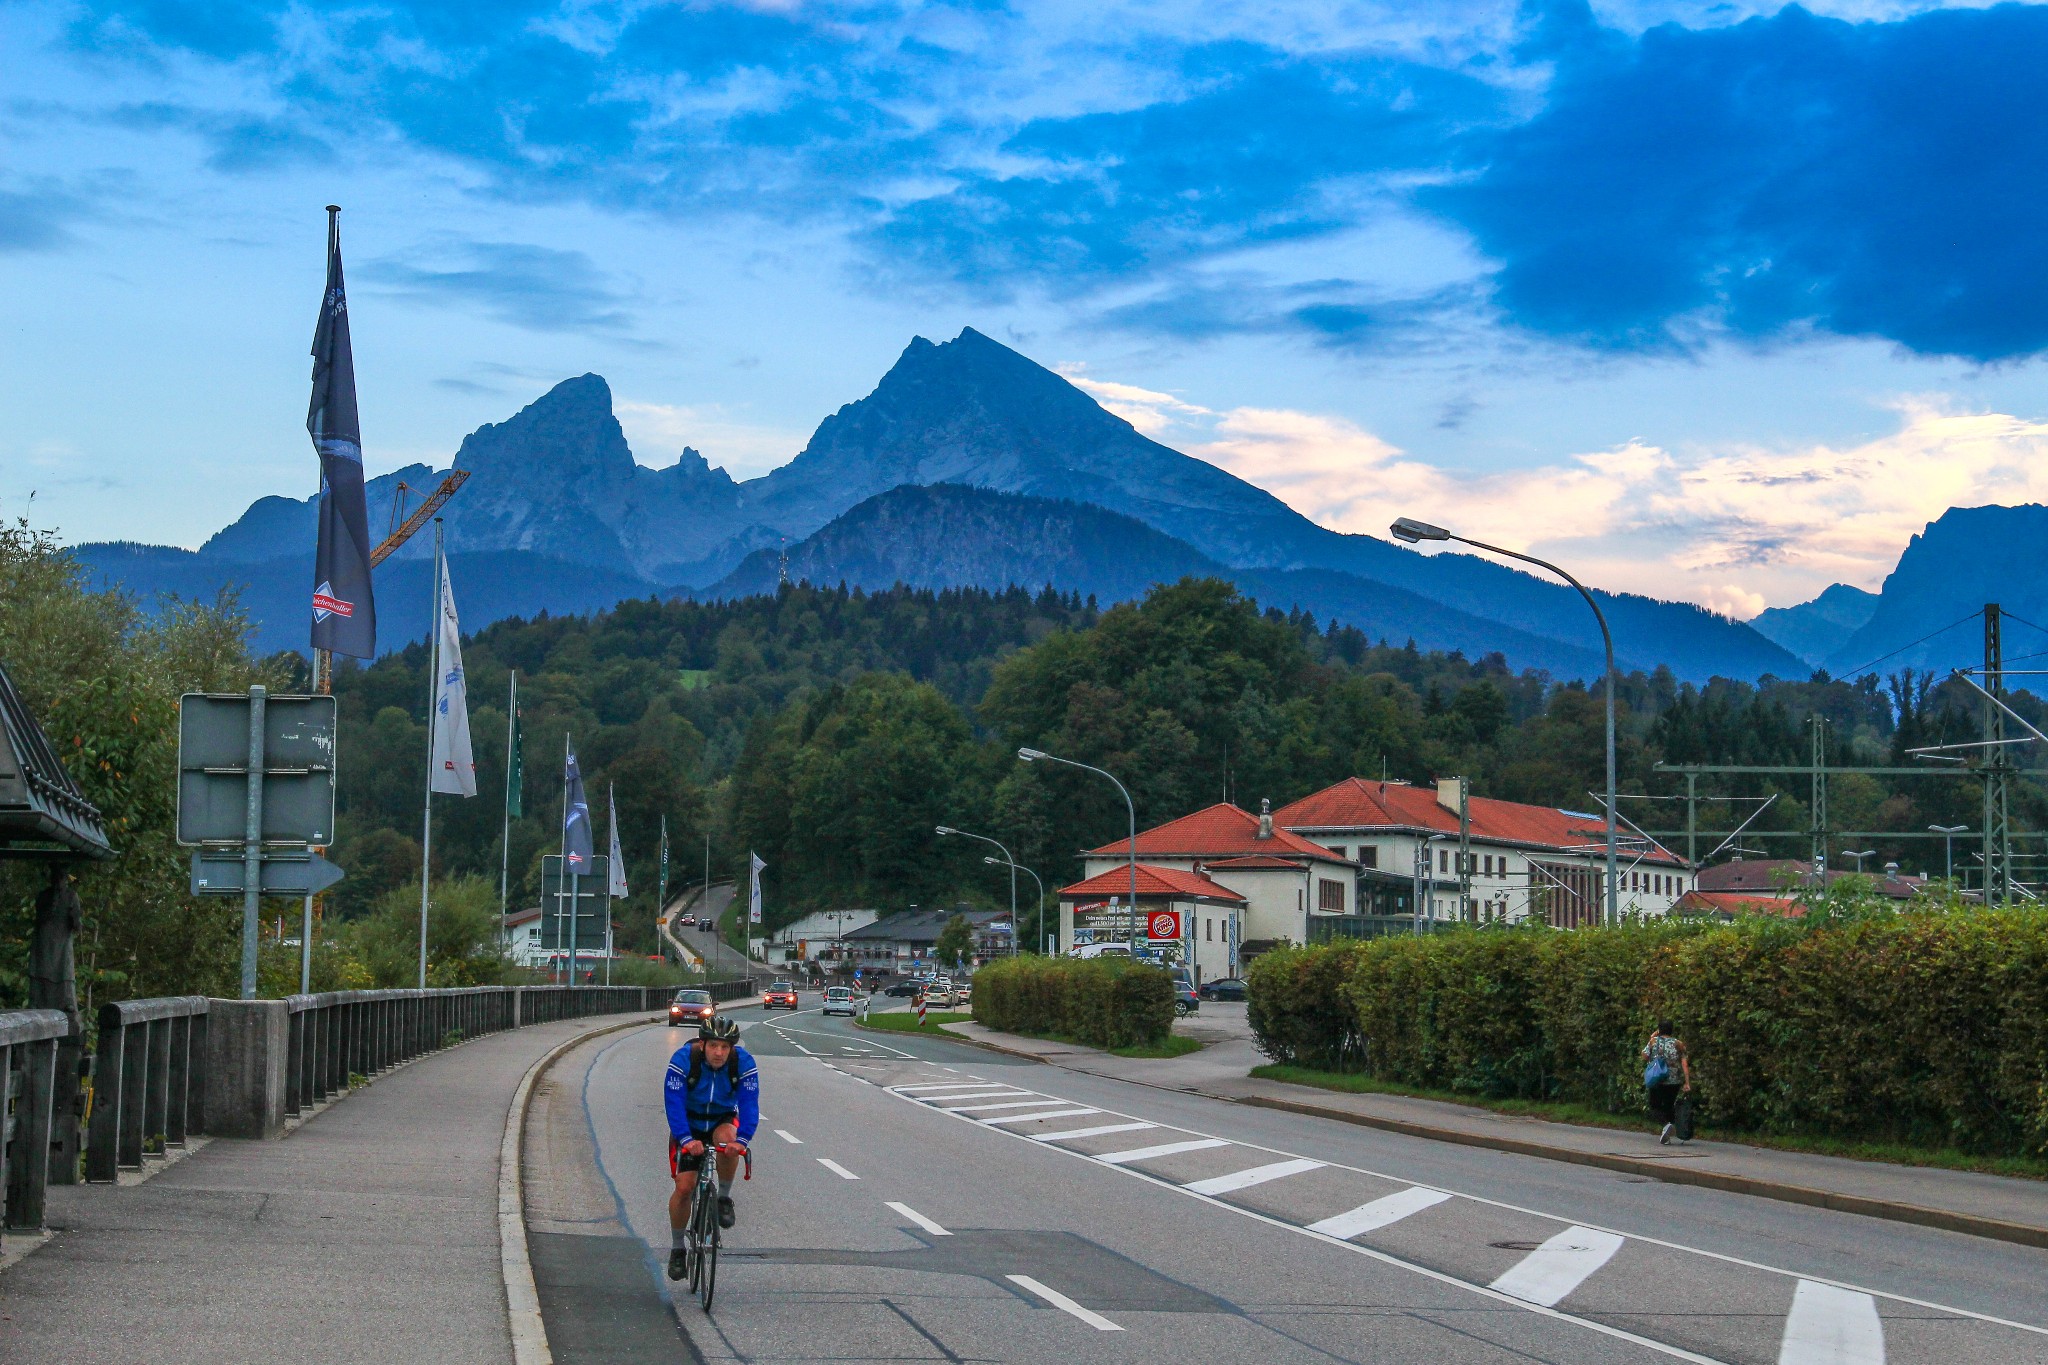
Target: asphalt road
[722, 961]
[919, 1199]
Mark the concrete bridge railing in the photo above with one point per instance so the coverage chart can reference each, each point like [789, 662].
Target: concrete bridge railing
[167, 1069]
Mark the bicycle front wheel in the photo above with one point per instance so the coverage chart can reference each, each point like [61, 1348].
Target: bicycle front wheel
[710, 1284]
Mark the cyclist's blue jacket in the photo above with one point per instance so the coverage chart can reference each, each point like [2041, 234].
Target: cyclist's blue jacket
[732, 1091]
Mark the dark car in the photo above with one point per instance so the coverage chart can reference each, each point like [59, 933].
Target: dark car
[781, 995]
[1225, 988]
[690, 1007]
[903, 988]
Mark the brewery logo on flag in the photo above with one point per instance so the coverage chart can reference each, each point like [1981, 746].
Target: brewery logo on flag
[326, 604]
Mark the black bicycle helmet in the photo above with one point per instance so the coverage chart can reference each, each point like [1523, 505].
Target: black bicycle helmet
[719, 1029]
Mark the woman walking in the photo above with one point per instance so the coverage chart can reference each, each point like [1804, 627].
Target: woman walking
[1667, 1074]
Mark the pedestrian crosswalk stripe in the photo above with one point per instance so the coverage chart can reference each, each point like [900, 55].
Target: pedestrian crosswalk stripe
[988, 1108]
[1048, 1114]
[1163, 1149]
[1829, 1325]
[1257, 1175]
[1379, 1213]
[985, 1093]
[1553, 1270]
[1102, 1131]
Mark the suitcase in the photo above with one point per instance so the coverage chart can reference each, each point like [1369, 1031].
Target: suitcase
[1681, 1118]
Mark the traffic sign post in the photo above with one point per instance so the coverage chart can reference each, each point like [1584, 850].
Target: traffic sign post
[256, 787]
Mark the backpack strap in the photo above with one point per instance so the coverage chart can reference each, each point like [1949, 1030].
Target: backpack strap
[696, 1066]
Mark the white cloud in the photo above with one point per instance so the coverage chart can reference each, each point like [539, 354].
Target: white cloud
[1148, 410]
[659, 431]
[1733, 530]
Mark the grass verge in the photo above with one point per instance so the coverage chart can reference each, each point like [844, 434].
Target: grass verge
[1892, 1153]
[905, 1021]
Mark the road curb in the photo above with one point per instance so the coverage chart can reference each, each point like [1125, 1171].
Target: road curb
[522, 1299]
[1944, 1219]
[941, 1031]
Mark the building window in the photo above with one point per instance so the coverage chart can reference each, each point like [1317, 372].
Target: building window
[1209, 930]
[1329, 895]
[1443, 860]
[1368, 855]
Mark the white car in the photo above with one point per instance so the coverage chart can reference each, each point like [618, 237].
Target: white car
[941, 992]
[839, 1000]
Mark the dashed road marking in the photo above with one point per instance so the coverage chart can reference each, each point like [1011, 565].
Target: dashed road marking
[1064, 1304]
[990, 1108]
[1163, 1149]
[1257, 1175]
[914, 1216]
[1379, 1213]
[829, 1164]
[791, 1138]
[1831, 1326]
[1553, 1270]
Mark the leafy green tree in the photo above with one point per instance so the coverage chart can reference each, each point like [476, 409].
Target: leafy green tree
[955, 943]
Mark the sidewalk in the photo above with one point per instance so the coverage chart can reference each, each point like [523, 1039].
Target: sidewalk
[368, 1234]
[2001, 1207]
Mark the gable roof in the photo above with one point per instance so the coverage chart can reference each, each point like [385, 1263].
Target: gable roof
[1738, 903]
[923, 926]
[1356, 803]
[1220, 831]
[1152, 881]
[1768, 876]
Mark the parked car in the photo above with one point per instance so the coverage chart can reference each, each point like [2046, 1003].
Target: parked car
[939, 991]
[840, 1000]
[781, 995]
[690, 1007]
[1224, 988]
[903, 988]
[1101, 950]
[1185, 1001]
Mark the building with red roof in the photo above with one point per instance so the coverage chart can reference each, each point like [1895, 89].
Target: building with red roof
[1475, 858]
[1278, 882]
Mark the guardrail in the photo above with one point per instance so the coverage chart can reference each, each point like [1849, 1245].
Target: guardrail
[147, 1091]
[28, 1073]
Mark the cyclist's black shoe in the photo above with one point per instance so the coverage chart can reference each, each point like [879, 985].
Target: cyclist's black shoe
[726, 1217]
[678, 1263]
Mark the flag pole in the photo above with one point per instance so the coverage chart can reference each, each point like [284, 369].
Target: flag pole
[562, 868]
[505, 837]
[611, 842]
[433, 695]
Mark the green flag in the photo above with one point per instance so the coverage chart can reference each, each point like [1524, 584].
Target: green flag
[515, 761]
[661, 903]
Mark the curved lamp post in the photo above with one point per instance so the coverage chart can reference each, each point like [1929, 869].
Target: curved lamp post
[1039, 755]
[1948, 835]
[945, 830]
[1019, 867]
[1412, 531]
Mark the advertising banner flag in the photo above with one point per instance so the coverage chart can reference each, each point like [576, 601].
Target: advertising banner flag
[344, 615]
[515, 760]
[618, 873]
[754, 889]
[576, 845]
[454, 766]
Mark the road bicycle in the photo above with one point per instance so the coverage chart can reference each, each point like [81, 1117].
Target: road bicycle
[700, 1233]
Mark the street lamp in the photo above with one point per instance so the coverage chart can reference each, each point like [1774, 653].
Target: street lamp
[1016, 868]
[1037, 755]
[945, 830]
[1948, 835]
[1859, 857]
[1414, 532]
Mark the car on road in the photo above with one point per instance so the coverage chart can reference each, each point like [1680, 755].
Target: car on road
[940, 991]
[1225, 988]
[781, 995]
[839, 1000]
[903, 988]
[690, 1007]
[687, 921]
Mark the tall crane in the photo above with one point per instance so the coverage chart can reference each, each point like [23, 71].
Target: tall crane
[323, 661]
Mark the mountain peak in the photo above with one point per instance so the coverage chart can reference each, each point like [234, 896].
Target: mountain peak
[567, 432]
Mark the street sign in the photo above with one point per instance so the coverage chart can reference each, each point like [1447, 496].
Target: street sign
[593, 905]
[213, 769]
[283, 874]
[1162, 926]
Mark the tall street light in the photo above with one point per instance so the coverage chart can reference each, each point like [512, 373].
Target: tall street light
[1019, 867]
[1948, 835]
[1414, 532]
[945, 830]
[1038, 755]
[1859, 857]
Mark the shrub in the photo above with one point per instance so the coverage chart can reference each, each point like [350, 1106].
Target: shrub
[1928, 1027]
[1097, 1001]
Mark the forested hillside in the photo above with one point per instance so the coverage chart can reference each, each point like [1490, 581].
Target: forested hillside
[829, 731]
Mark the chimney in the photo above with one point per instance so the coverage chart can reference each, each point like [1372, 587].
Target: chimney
[1265, 818]
[1447, 794]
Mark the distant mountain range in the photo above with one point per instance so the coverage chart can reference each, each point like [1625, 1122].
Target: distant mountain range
[968, 464]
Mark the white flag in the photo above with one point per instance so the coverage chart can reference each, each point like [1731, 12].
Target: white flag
[454, 768]
[754, 890]
[618, 860]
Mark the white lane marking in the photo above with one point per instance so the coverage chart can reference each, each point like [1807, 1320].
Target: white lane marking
[986, 1108]
[1088, 1132]
[801, 1048]
[1553, 1270]
[791, 1138]
[914, 1216]
[987, 1093]
[1064, 1304]
[1047, 1114]
[1831, 1326]
[935, 1086]
[837, 1169]
[954, 1069]
[1257, 1175]
[1379, 1213]
[1163, 1149]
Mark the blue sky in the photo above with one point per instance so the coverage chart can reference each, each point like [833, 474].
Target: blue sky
[1719, 302]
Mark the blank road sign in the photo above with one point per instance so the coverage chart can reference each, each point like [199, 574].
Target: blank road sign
[213, 758]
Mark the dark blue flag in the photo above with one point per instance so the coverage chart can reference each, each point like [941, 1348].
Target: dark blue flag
[344, 616]
[576, 845]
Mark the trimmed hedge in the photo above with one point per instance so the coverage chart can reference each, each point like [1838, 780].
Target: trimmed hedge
[1928, 1027]
[1098, 1001]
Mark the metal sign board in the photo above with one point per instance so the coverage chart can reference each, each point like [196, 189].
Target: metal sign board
[213, 769]
[287, 874]
[592, 904]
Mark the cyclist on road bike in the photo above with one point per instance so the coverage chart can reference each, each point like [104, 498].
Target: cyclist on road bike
[713, 1094]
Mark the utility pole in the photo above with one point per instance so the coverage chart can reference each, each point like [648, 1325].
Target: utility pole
[1466, 910]
[1820, 793]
